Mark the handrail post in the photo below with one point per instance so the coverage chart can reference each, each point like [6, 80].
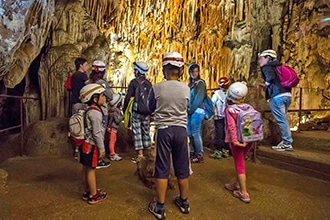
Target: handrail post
[300, 107]
[22, 126]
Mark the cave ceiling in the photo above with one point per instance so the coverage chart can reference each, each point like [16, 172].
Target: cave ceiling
[223, 36]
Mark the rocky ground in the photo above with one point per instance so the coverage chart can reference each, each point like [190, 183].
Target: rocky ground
[49, 188]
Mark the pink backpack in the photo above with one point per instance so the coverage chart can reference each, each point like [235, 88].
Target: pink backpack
[288, 76]
[249, 124]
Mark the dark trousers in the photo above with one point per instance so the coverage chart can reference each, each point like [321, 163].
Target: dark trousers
[219, 138]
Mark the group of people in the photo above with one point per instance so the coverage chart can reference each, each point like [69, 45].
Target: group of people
[178, 112]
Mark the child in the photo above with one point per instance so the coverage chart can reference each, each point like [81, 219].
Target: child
[115, 117]
[171, 98]
[235, 95]
[219, 100]
[93, 146]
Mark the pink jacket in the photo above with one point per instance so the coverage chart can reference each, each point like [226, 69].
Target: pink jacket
[230, 123]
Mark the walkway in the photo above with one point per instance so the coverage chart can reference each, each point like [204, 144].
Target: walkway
[49, 188]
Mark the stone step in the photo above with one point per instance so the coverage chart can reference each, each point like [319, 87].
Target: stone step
[312, 140]
[311, 163]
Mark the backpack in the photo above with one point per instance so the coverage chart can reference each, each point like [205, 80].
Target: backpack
[220, 105]
[208, 108]
[77, 123]
[142, 97]
[288, 76]
[67, 84]
[249, 124]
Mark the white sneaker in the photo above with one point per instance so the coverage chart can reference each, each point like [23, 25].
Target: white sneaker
[115, 157]
[278, 146]
[282, 147]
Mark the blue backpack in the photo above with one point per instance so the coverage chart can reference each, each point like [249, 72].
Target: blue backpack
[208, 108]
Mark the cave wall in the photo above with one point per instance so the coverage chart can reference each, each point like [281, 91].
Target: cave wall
[223, 36]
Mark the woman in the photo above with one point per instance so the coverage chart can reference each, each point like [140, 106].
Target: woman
[196, 113]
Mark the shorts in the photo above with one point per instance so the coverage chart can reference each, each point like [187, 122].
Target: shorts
[172, 139]
[89, 155]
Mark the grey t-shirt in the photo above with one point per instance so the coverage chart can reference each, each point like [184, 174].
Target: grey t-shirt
[172, 99]
[95, 129]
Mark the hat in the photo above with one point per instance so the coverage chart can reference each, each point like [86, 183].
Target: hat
[236, 92]
[142, 67]
[271, 53]
[98, 66]
[89, 90]
[173, 58]
[116, 98]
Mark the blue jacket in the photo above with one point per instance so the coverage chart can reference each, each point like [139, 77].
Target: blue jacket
[197, 96]
[270, 75]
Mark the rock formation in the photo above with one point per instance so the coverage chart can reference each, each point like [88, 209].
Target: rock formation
[223, 36]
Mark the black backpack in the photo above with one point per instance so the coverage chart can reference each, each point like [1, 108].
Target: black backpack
[142, 97]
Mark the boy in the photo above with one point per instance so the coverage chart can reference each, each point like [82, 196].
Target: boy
[170, 103]
[219, 100]
[93, 146]
[140, 122]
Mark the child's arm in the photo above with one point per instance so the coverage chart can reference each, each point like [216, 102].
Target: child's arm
[118, 116]
[97, 132]
[231, 123]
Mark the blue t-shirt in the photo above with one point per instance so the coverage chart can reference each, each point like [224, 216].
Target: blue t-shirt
[77, 82]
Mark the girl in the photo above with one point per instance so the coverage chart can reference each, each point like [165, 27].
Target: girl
[196, 113]
[235, 95]
[115, 117]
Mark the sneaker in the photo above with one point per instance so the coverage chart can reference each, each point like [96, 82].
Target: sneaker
[98, 197]
[283, 147]
[232, 186]
[216, 155]
[133, 159]
[136, 159]
[158, 213]
[102, 164]
[76, 153]
[278, 146]
[85, 195]
[115, 157]
[197, 159]
[225, 153]
[183, 206]
[242, 196]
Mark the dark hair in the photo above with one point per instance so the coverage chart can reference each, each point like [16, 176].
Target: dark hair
[91, 101]
[94, 76]
[270, 58]
[79, 61]
[172, 70]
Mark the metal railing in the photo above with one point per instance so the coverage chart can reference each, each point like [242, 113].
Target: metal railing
[21, 125]
[300, 110]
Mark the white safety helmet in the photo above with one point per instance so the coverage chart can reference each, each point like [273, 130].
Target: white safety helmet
[236, 92]
[116, 98]
[271, 53]
[89, 90]
[142, 67]
[98, 66]
[173, 58]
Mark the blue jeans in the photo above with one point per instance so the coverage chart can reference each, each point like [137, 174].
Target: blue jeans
[279, 107]
[194, 130]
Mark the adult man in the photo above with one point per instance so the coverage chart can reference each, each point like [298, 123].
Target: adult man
[278, 96]
[140, 122]
[171, 98]
[79, 80]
